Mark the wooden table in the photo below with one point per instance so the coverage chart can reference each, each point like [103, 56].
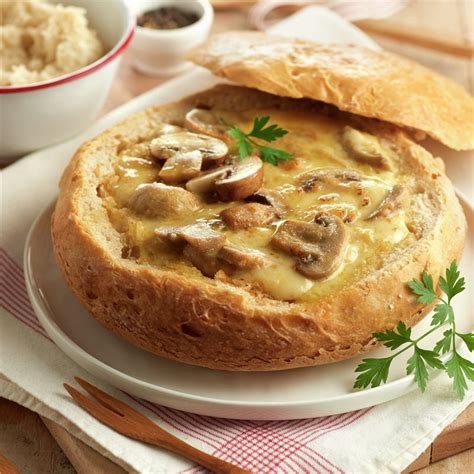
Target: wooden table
[37, 445]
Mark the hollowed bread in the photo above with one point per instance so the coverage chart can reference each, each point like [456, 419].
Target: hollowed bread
[296, 264]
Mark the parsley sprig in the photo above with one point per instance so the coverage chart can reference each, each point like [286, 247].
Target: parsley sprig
[246, 143]
[373, 372]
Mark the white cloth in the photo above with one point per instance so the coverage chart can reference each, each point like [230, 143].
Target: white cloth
[348, 9]
[385, 438]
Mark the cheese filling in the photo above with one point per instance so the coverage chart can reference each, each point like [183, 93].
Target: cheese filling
[317, 142]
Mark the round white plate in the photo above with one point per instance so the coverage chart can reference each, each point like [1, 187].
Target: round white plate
[290, 394]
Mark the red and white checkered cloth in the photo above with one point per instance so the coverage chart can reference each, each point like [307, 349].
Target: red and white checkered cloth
[289, 446]
[330, 444]
[381, 439]
[283, 446]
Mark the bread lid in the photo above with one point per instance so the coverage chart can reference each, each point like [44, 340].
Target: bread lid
[364, 82]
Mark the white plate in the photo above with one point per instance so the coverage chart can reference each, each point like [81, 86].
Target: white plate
[290, 394]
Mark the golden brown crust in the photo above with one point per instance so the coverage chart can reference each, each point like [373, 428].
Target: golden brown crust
[355, 79]
[199, 320]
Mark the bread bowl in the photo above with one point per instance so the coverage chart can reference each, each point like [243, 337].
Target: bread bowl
[246, 265]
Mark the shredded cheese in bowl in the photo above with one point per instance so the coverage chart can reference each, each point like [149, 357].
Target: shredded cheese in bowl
[40, 40]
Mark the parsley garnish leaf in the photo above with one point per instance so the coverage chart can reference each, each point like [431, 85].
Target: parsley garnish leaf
[431, 358]
[452, 284]
[375, 371]
[443, 345]
[468, 340]
[269, 134]
[442, 311]
[258, 124]
[392, 339]
[416, 365]
[273, 155]
[458, 369]
[236, 133]
[423, 289]
[262, 131]
[244, 147]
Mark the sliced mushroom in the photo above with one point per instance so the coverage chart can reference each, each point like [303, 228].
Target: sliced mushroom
[394, 200]
[199, 235]
[166, 146]
[205, 182]
[319, 246]
[161, 200]
[207, 249]
[164, 128]
[242, 258]
[365, 148]
[330, 176]
[199, 243]
[243, 180]
[270, 197]
[345, 212]
[181, 167]
[208, 264]
[248, 215]
[205, 121]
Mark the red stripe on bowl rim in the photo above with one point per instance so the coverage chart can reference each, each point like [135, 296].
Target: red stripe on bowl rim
[72, 76]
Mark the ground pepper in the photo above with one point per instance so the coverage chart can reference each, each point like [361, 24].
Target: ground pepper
[167, 18]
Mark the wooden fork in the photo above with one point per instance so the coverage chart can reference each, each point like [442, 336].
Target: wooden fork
[129, 422]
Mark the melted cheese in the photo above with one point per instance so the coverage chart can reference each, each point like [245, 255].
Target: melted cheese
[314, 140]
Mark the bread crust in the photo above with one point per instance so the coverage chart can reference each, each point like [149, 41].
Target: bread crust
[369, 83]
[202, 321]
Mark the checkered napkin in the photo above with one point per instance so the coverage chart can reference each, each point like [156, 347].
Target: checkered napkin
[385, 438]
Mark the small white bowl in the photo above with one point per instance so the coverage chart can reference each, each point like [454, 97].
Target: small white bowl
[36, 115]
[163, 52]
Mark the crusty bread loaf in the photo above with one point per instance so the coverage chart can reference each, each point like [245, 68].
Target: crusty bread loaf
[370, 83]
[209, 322]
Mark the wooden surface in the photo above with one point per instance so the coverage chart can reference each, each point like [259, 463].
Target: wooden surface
[83, 459]
[25, 441]
[24, 436]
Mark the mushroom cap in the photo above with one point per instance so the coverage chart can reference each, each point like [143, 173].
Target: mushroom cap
[332, 176]
[270, 197]
[243, 180]
[182, 166]
[204, 121]
[251, 214]
[365, 148]
[205, 182]
[199, 236]
[207, 264]
[208, 250]
[319, 246]
[346, 212]
[161, 200]
[394, 199]
[168, 145]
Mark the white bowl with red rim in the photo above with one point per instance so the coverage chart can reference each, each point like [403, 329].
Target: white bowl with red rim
[37, 115]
